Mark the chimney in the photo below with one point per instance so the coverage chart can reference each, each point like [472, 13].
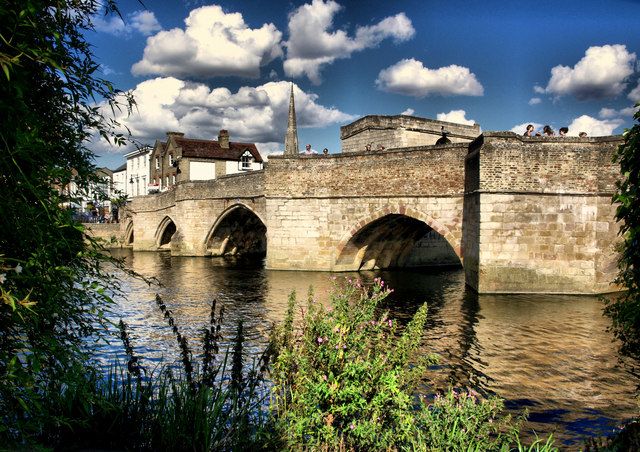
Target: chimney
[175, 134]
[223, 139]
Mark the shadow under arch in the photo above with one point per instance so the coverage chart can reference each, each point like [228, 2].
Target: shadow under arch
[397, 238]
[165, 232]
[238, 231]
[128, 234]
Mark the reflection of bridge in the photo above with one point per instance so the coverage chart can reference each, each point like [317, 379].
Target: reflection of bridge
[521, 215]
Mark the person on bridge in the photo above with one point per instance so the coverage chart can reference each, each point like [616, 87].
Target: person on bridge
[529, 131]
[309, 151]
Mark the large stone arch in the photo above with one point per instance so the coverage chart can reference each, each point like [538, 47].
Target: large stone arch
[165, 231]
[387, 237]
[238, 230]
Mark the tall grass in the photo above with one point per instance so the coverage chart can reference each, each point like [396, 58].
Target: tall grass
[209, 405]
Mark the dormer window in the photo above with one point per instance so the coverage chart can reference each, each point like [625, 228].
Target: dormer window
[245, 161]
[170, 159]
[157, 162]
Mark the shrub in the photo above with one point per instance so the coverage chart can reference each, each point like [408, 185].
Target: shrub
[346, 379]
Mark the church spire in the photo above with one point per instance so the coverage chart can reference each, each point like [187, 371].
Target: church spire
[291, 139]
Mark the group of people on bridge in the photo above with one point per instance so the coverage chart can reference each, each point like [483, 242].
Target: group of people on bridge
[547, 131]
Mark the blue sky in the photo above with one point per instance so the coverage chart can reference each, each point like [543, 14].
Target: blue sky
[198, 67]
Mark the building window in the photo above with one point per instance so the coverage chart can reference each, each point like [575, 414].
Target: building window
[157, 162]
[170, 159]
[245, 161]
[173, 179]
[166, 180]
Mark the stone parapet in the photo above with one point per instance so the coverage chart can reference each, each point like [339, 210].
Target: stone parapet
[422, 170]
[401, 131]
[511, 163]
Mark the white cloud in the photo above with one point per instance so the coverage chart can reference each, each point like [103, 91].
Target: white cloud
[634, 95]
[142, 21]
[535, 101]
[629, 111]
[457, 116]
[601, 73]
[145, 22]
[408, 112]
[313, 44]
[411, 78]
[594, 127]
[520, 129]
[112, 24]
[253, 114]
[538, 89]
[213, 43]
[608, 113]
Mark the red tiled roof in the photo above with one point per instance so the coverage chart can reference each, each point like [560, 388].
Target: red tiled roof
[211, 149]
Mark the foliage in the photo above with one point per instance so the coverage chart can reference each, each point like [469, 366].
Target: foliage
[625, 309]
[54, 289]
[206, 406]
[346, 379]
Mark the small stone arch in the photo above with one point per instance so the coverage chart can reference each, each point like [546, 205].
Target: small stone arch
[384, 226]
[165, 232]
[128, 234]
[228, 237]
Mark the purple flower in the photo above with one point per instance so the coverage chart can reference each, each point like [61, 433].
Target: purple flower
[320, 340]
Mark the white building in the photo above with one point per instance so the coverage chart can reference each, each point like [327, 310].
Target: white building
[137, 173]
[120, 180]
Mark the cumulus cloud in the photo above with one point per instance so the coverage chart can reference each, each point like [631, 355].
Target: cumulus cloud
[535, 101]
[634, 95]
[313, 43]
[594, 127]
[253, 114]
[112, 24]
[601, 73]
[457, 116]
[520, 129]
[408, 112]
[213, 43]
[145, 22]
[411, 78]
[608, 113]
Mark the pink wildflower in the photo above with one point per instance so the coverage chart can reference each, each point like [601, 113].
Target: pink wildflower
[320, 340]
[352, 426]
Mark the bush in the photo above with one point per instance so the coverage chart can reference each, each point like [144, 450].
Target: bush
[346, 379]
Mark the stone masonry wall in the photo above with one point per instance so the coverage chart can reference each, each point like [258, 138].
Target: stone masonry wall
[401, 131]
[427, 170]
[316, 204]
[545, 214]
[310, 233]
[194, 208]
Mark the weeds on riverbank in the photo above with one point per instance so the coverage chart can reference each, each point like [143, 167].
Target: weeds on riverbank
[346, 379]
[199, 406]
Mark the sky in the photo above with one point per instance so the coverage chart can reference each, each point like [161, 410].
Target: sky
[198, 67]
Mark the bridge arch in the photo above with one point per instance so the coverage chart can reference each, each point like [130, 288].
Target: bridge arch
[238, 230]
[128, 234]
[397, 236]
[165, 232]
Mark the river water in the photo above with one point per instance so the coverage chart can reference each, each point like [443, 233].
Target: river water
[549, 354]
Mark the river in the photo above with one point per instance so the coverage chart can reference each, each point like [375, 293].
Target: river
[550, 354]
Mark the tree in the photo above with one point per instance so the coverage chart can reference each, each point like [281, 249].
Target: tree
[625, 309]
[54, 289]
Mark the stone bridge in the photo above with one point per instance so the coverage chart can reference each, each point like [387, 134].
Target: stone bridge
[519, 214]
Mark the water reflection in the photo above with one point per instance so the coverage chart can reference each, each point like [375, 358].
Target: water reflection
[550, 354]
